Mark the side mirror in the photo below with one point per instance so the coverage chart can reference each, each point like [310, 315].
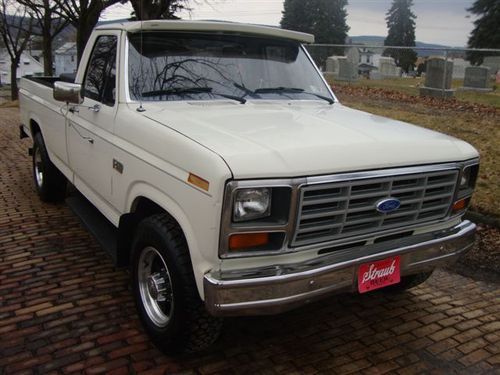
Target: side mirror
[68, 92]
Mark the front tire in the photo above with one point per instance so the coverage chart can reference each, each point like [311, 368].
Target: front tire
[50, 183]
[165, 292]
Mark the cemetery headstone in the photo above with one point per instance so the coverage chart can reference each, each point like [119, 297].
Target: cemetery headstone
[438, 78]
[348, 71]
[492, 62]
[341, 69]
[459, 66]
[477, 78]
[388, 68]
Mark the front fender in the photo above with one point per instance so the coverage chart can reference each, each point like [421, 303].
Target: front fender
[201, 264]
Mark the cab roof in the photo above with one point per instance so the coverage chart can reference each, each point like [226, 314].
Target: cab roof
[208, 26]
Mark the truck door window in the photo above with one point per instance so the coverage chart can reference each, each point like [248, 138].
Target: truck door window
[100, 77]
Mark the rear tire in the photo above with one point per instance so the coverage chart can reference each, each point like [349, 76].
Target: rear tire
[50, 183]
[165, 291]
[409, 282]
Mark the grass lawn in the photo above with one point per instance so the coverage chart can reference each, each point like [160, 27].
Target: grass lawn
[411, 86]
[482, 131]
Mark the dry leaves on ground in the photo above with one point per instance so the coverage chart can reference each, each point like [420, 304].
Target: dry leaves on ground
[451, 104]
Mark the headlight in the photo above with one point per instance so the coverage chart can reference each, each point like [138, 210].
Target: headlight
[464, 180]
[468, 180]
[466, 184]
[251, 204]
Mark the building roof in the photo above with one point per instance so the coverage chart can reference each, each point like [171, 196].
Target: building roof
[209, 26]
[366, 52]
[367, 67]
[68, 48]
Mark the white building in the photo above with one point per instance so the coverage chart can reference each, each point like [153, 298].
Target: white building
[368, 57]
[37, 54]
[27, 66]
[65, 59]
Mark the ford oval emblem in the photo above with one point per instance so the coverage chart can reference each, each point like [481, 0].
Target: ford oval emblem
[388, 205]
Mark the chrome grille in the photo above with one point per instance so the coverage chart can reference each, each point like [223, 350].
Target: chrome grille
[348, 208]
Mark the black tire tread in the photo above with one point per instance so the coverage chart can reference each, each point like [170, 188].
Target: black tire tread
[201, 329]
[54, 185]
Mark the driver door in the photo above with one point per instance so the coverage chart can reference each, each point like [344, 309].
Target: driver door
[90, 126]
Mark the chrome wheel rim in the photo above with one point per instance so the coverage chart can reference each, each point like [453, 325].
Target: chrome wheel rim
[155, 286]
[38, 167]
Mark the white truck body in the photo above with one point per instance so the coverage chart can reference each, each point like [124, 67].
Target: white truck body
[116, 156]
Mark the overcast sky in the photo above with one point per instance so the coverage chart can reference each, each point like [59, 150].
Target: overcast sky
[438, 21]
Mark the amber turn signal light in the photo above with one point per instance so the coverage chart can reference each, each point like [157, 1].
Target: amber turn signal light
[248, 240]
[460, 205]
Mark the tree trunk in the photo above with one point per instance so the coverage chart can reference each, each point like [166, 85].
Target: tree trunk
[47, 53]
[81, 40]
[13, 78]
[47, 44]
[82, 36]
[84, 30]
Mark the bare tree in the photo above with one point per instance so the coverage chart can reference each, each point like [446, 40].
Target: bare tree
[163, 9]
[16, 27]
[83, 15]
[49, 25]
[157, 9]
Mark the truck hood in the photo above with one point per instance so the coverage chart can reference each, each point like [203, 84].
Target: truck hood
[292, 139]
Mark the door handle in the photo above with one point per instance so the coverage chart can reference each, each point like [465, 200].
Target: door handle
[75, 108]
[95, 108]
[88, 139]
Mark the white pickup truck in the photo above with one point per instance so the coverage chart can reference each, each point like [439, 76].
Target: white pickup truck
[235, 181]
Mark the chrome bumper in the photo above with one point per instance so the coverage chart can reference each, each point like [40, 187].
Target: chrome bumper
[271, 290]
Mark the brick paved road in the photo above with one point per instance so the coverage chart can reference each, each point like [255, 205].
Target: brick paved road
[65, 308]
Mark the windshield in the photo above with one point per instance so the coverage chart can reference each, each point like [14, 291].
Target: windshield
[191, 66]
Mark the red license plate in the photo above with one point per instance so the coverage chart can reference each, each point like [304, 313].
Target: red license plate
[378, 274]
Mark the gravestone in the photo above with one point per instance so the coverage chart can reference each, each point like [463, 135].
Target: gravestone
[332, 64]
[459, 66]
[332, 67]
[375, 75]
[353, 55]
[347, 70]
[492, 62]
[438, 78]
[388, 68]
[341, 69]
[477, 78]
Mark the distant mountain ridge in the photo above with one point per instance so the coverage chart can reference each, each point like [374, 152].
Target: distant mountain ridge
[379, 40]
[375, 40]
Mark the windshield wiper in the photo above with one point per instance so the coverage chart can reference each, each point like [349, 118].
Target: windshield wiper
[272, 90]
[191, 90]
[176, 91]
[291, 90]
[246, 90]
[233, 97]
[319, 96]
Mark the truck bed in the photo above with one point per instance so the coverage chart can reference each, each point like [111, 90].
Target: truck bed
[49, 80]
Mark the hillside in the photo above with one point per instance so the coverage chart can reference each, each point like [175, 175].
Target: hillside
[374, 40]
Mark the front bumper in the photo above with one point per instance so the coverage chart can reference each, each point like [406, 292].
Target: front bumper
[271, 290]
